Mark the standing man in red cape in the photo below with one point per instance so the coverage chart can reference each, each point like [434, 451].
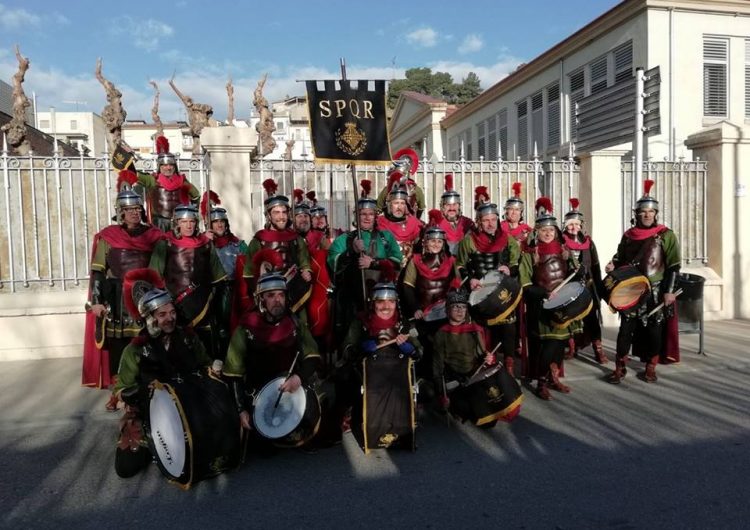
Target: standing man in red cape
[455, 225]
[167, 188]
[117, 249]
[513, 223]
[278, 235]
[396, 219]
[654, 250]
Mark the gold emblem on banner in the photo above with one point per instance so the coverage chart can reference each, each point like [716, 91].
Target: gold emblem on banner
[352, 141]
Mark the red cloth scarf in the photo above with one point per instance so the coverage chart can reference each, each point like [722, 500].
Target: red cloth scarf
[456, 233]
[269, 235]
[486, 243]
[639, 234]
[406, 229]
[172, 183]
[374, 324]
[574, 244]
[433, 274]
[187, 242]
[547, 249]
[223, 240]
[466, 327]
[118, 237]
[313, 238]
[520, 232]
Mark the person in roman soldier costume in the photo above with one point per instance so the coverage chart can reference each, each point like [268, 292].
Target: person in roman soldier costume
[583, 249]
[226, 304]
[193, 273]
[116, 249]
[320, 234]
[455, 225]
[271, 341]
[379, 353]
[280, 236]
[464, 372]
[356, 257]
[654, 250]
[425, 283]
[545, 265]
[513, 219]
[483, 252]
[167, 188]
[397, 219]
[405, 164]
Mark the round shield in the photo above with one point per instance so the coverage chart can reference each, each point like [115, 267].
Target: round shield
[167, 431]
[275, 418]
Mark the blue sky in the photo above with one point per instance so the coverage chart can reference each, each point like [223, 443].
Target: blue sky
[204, 43]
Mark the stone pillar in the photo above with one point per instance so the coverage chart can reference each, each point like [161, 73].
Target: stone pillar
[726, 149]
[230, 150]
[600, 193]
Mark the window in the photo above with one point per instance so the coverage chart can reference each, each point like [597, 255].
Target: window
[73, 125]
[453, 148]
[623, 59]
[481, 140]
[598, 75]
[466, 137]
[553, 115]
[279, 125]
[715, 55]
[44, 124]
[576, 94]
[523, 128]
[492, 138]
[537, 121]
[747, 78]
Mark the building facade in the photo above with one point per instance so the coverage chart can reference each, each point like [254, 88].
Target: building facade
[83, 130]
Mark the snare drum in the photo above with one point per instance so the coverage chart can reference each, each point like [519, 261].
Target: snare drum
[194, 429]
[572, 302]
[625, 287]
[290, 421]
[490, 395]
[496, 299]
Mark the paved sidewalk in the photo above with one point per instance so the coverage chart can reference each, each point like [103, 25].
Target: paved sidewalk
[668, 455]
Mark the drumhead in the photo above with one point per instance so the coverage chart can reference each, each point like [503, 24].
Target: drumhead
[489, 283]
[568, 292]
[276, 422]
[167, 431]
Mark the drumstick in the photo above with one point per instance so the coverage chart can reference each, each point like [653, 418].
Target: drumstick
[288, 375]
[482, 365]
[678, 292]
[564, 282]
[412, 333]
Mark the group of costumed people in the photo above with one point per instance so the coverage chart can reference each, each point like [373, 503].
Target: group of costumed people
[214, 347]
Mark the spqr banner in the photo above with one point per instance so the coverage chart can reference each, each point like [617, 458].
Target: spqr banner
[348, 122]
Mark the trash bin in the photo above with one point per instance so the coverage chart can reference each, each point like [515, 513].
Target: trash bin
[690, 305]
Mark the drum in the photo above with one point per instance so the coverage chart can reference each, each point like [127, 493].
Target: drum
[625, 287]
[490, 395]
[194, 429]
[435, 312]
[496, 299]
[290, 421]
[572, 302]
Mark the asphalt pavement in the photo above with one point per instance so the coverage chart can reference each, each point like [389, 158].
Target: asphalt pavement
[668, 455]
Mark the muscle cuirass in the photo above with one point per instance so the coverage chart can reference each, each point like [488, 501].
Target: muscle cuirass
[163, 202]
[550, 271]
[122, 260]
[287, 249]
[647, 255]
[185, 266]
[228, 256]
[480, 263]
[430, 291]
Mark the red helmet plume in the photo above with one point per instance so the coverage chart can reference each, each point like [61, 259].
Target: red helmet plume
[647, 185]
[126, 177]
[387, 271]
[266, 260]
[434, 217]
[149, 278]
[299, 195]
[162, 145]
[210, 199]
[543, 202]
[270, 186]
[311, 197]
[481, 195]
[413, 158]
[574, 203]
[449, 182]
[516, 187]
[366, 186]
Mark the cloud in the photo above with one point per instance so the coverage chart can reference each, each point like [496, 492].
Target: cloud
[488, 74]
[144, 34]
[472, 43]
[12, 19]
[423, 37]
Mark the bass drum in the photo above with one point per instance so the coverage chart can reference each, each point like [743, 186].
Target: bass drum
[496, 299]
[572, 302]
[194, 429]
[625, 286]
[290, 421]
[490, 395]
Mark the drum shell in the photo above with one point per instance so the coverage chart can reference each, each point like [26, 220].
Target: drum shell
[492, 395]
[625, 287]
[306, 428]
[499, 304]
[573, 302]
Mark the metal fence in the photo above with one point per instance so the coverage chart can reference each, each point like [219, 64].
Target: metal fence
[680, 187]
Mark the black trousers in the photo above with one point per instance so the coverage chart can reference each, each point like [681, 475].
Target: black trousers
[633, 331]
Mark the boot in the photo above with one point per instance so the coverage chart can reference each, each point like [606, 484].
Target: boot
[554, 381]
[618, 374]
[508, 365]
[111, 405]
[571, 351]
[649, 375]
[542, 391]
[596, 344]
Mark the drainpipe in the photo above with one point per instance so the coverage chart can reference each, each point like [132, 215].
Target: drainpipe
[672, 139]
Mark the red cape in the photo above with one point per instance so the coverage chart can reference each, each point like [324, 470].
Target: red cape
[407, 230]
[457, 233]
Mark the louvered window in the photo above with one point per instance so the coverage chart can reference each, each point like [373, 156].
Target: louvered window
[502, 132]
[453, 148]
[576, 94]
[747, 78]
[468, 146]
[598, 75]
[492, 138]
[537, 121]
[523, 133]
[481, 140]
[553, 115]
[623, 58]
[715, 55]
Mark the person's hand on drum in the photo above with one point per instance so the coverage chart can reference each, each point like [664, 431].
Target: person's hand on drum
[245, 420]
[291, 384]
[99, 310]
[504, 269]
[306, 275]
[364, 260]
[475, 284]
[669, 299]
[418, 314]
[609, 267]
